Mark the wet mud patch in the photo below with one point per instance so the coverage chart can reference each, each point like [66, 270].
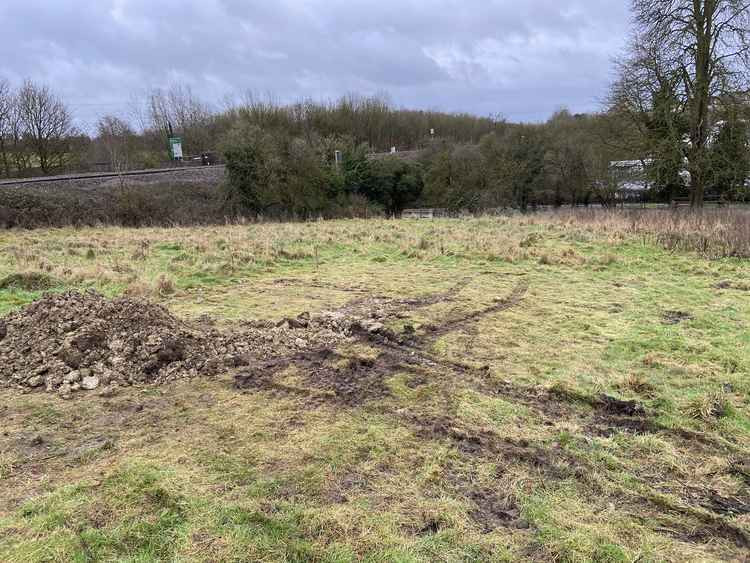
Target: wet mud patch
[351, 381]
[676, 317]
[684, 522]
[327, 377]
[711, 512]
[548, 407]
[601, 416]
[711, 500]
[709, 527]
[701, 533]
[485, 443]
[488, 507]
[490, 512]
[728, 284]
[493, 511]
[619, 407]
[612, 415]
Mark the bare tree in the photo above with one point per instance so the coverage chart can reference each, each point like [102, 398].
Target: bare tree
[698, 50]
[47, 124]
[117, 138]
[179, 110]
[138, 114]
[6, 113]
[161, 116]
[19, 142]
[15, 156]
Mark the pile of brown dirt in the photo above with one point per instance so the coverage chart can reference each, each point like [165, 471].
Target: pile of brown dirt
[77, 341]
[71, 342]
[83, 341]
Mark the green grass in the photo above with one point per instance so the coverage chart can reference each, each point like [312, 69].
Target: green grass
[265, 476]
[132, 515]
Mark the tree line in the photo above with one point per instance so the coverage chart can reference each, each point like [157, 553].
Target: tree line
[275, 170]
[36, 130]
[678, 111]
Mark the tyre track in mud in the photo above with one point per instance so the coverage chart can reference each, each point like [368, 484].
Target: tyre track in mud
[333, 378]
[359, 382]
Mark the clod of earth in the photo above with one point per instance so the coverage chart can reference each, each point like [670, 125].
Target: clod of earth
[90, 383]
[676, 317]
[728, 284]
[618, 406]
[493, 512]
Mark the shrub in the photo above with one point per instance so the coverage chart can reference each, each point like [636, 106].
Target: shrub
[134, 206]
[29, 281]
[393, 183]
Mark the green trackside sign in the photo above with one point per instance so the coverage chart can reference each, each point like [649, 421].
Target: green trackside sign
[175, 148]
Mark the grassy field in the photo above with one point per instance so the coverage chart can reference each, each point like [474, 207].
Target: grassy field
[579, 391]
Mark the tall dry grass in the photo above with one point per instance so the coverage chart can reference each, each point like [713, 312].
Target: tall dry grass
[156, 260]
[714, 233]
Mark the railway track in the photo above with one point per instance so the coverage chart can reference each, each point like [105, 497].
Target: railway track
[100, 175]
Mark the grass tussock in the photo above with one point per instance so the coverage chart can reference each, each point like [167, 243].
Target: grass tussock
[28, 281]
[715, 233]
[710, 407]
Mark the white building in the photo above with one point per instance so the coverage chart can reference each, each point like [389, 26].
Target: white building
[630, 175]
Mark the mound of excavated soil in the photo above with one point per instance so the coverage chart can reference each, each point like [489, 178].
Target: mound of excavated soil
[77, 341]
[83, 341]
[73, 341]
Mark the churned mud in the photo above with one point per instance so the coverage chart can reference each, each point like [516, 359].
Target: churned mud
[82, 345]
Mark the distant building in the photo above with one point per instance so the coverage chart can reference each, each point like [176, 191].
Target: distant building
[629, 176]
[631, 179]
[424, 213]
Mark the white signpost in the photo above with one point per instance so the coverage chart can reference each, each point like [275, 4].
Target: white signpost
[175, 146]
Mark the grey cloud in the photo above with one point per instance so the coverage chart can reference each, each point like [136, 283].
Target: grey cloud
[521, 58]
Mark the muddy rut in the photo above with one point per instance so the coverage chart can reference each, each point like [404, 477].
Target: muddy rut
[74, 343]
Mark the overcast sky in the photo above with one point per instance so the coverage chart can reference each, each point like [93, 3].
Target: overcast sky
[519, 58]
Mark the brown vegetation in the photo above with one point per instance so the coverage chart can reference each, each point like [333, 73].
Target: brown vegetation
[715, 233]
